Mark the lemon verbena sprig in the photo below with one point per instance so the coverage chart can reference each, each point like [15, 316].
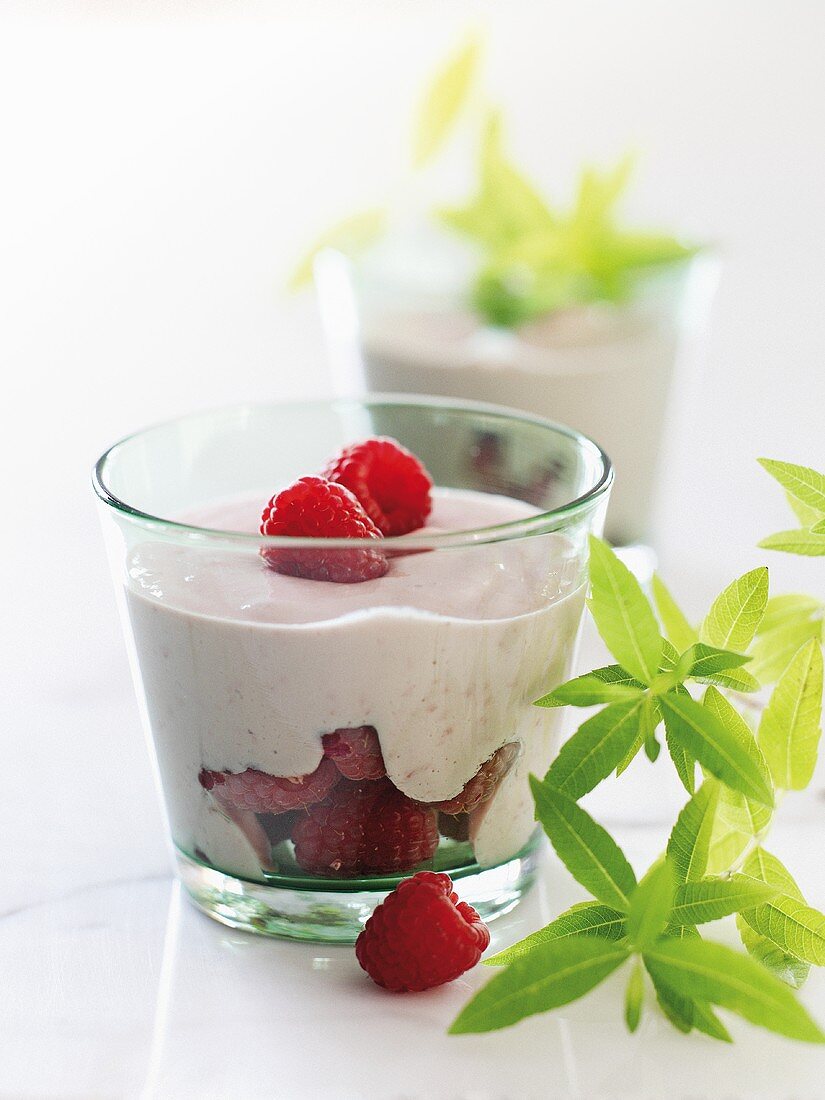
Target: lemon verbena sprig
[715, 863]
[532, 257]
[649, 927]
[754, 768]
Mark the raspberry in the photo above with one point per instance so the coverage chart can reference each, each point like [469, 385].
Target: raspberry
[315, 508]
[270, 794]
[389, 481]
[454, 826]
[421, 936]
[483, 784]
[356, 752]
[364, 829]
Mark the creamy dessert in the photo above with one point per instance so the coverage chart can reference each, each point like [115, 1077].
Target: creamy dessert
[283, 707]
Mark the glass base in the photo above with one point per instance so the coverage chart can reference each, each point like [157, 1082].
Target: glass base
[336, 913]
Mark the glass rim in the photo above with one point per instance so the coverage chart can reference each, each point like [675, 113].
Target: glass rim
[542, 522]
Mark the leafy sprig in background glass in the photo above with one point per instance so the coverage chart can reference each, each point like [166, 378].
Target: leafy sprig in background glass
[715, 863]
[534, 257]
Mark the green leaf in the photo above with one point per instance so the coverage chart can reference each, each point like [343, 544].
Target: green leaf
[689, 844]
[686, 1014]
[599, 192]
[738, 818]
[667, 680]
[786, 920]
[806, 515]
[518, 207]
[819, 527]
[348, 236]
[587, 850]
[705, 660]
[506, 211]
[788, 608]
[712, 899]
[596, 747]
[789, 729]
[650, 905]
[761, 865]
[795, 542]
[793, 926]
[678, 1009]
[774, 650]
[706, 1021]
[588, 918]
[552, 974]
[677, 629]
[631, 754]
[737, 728]
[634, 996]
[697, 729]
[590, 690]
[622, 614]
[615, 674]
[786, 967]
[670, 658]
[652, 747]
[765, 867]
[711, 972]
[801, 482]
[735, 679]
[735, 614]
[682, 932]
[444, 101]
[630, 249]
[684, 761]
[649, 719]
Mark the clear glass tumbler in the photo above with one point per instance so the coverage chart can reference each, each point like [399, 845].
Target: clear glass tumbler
[316, 741]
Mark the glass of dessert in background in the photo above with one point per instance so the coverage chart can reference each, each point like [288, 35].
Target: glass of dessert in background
[605, 368]
[339, 615]
[563, 310]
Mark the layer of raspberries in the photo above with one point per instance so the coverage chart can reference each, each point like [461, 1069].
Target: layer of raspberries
[368, 490]
[347, 818]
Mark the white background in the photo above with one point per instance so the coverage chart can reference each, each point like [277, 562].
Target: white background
[162, 167]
